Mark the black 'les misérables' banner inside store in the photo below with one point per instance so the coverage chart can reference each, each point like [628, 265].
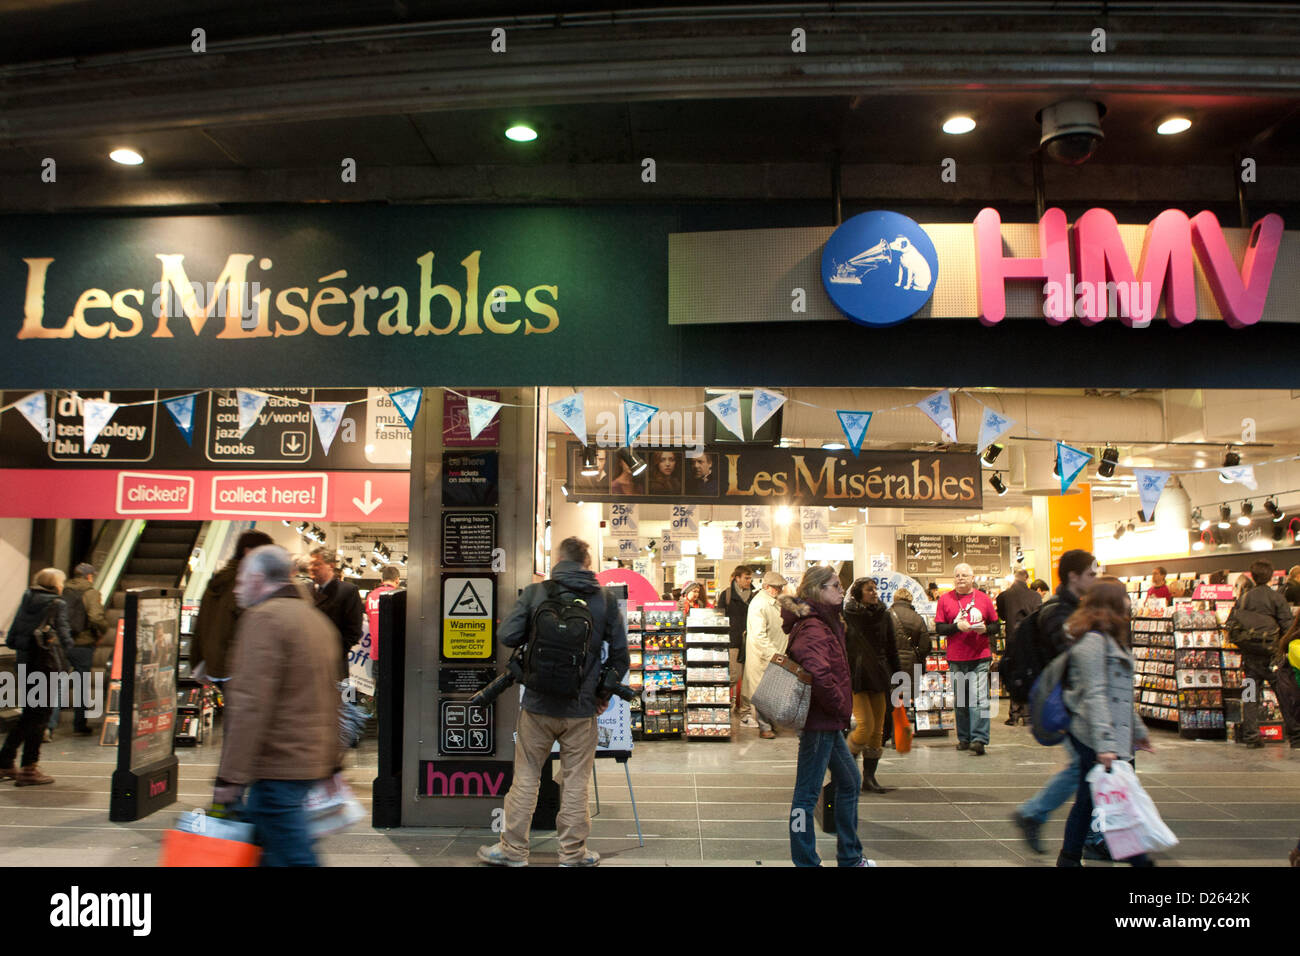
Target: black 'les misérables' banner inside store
[756, 476]
[425, 295]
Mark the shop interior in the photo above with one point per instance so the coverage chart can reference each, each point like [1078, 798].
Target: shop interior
[1204, 521]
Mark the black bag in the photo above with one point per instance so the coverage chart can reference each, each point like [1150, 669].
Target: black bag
[559, 639]
[75, 599]
[48, 649]
[1028, 651]
[1254, 632]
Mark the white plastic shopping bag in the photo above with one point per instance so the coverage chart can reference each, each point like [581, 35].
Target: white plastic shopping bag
[332, 807]
[1124, 813]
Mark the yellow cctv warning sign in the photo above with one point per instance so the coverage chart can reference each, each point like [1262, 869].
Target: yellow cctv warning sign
[467, 605]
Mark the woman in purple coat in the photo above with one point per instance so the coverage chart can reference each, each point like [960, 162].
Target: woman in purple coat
[812, 619]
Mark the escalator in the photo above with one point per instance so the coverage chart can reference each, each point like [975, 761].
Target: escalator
[160, 559]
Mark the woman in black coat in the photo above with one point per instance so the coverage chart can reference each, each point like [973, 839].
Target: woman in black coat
[42, 599]
[873, 660]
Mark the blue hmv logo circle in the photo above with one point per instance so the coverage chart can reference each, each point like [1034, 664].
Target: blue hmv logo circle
[879, 268]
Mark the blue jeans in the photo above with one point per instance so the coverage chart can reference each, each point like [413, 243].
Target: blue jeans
[276, 808]
[1079, 824]
[973, 719]
[1057, 790]
[819, 749]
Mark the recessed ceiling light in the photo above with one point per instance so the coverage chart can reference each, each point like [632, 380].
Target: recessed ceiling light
[127, 157]
[521, 134]
[956, 125]
[1174, 125]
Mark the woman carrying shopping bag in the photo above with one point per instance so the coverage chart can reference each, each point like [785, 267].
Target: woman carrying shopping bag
[1104, 723]
[812, 620]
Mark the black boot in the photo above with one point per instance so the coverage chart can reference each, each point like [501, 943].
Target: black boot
[1067, 861]
[869, 782]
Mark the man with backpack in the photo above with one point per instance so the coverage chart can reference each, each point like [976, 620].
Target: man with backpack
[563, 622]
[1259, 618]
[1014, 605]
[1039, 639]
[87, 623]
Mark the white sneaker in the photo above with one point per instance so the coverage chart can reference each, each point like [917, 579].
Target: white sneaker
[748, 721]
[865, 862]
[592, 858]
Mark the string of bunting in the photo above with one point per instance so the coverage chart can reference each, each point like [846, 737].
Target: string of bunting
[571, 411]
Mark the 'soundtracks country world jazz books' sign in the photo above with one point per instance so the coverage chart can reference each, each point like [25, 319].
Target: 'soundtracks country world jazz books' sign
[760, 476]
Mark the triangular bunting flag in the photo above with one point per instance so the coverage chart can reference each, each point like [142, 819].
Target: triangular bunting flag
[855, 428]
[1069, 462]
[572, 411]
[636, 415]
[1150, 484]
[181, 410]
[1243, 475]
[33, 409]
[250, 406]
[94, 416]
[764, 407]
[938, 407]
[992, 427]
[327, 416]
[727, 409]
[407, 402]
[481, 412]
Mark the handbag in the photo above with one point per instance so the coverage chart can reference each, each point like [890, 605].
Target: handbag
[50, 654]
[203, 840]
[784, 693]
[331, 807]
[902, 731]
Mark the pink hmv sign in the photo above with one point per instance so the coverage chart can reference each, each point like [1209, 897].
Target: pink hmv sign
[205, 495]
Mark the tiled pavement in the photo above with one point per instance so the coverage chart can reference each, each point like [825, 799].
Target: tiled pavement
[719, 803]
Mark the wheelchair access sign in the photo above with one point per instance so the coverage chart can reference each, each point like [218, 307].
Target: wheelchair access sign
[468, 628]
[464, 728]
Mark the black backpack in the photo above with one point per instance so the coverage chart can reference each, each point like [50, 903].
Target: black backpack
[1255, 632]
[1028, 652]
[559, 640]
[75, 599]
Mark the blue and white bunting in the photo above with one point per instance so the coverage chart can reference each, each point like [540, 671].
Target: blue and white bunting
[1151, 484]
[94, 416]
[250, 406]
[938, 408]
[636, 416]
[572, 411]
[481, 412]
[327, 416]
[992, 427]
[1069, 462]
[1242, 475]
[181, 410]
[765, 405]
[726, 408]
[33, 409]
[855, 426]
[407, 402]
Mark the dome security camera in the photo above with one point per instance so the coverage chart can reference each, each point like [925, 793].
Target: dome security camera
[1071, 130]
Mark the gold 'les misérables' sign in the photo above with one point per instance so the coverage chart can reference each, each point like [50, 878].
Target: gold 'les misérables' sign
[748, 476]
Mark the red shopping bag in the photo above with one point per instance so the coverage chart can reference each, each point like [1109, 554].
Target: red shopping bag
[902, 731]
[201, 840]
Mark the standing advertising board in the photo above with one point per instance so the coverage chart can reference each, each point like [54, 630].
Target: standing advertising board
[146, 776]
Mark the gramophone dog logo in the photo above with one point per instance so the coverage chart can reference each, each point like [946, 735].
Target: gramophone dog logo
[879, 268]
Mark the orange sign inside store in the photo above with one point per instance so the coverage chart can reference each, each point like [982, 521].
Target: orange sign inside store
[1069, 526]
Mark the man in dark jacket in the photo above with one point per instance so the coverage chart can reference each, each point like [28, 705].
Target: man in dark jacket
[1261, 608]
[544, 719]
[1014, 605]
[213, 646]
[734, 602]
[87, 623]
[42, 599]
[337, 599]
[1078, 572]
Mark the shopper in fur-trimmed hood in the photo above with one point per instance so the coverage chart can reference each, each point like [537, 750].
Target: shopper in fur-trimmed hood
[812, 620]
[873, 659]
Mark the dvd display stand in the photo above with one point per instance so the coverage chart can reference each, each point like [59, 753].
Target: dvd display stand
[934, 708]
[708, 676]
[1155, 684]
[1200, 659]
[635, 679]
[663, 669]
[196, 703]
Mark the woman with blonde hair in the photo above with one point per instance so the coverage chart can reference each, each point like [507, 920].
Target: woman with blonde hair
[41, 606]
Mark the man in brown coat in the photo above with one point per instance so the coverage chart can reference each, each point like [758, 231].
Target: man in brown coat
[218, 612]
[282, 729]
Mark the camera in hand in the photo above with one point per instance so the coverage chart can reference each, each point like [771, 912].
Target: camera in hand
[513, 673]
[609, 686]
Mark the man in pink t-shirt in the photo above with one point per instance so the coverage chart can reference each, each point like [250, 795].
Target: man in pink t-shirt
[392, 580]
[967, 618]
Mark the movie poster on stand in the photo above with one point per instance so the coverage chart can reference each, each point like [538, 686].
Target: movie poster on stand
[154, 717]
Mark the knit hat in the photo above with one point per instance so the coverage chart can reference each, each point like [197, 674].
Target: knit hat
[84, 570]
